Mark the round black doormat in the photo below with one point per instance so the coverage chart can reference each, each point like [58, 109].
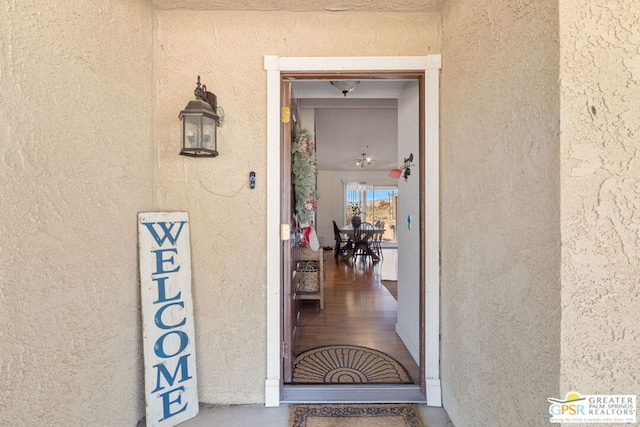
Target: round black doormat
[348, 364]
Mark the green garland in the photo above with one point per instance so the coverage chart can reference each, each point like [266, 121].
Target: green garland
[304, 171]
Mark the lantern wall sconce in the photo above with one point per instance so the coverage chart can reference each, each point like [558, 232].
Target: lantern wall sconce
[200, 119]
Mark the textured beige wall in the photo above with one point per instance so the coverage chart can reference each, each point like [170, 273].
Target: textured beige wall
[304, 5]
[228, 219]
[75, 150]
[500, 211]
[600, 75]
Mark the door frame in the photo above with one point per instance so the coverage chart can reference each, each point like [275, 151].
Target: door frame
[430, 65]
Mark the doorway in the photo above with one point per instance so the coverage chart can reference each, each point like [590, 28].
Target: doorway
[357, 142]
[425, 68]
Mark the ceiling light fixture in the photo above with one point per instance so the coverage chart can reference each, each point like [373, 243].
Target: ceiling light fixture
[345, 86]
[364, 161]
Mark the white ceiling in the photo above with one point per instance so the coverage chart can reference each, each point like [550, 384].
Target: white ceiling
[304, 5]
[365, 121]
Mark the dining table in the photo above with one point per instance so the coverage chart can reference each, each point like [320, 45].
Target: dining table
[349, 231]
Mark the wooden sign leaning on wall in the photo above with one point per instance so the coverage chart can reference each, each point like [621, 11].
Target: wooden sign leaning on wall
[171, 387]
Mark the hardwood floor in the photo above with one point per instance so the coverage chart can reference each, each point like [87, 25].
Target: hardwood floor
[358, 310]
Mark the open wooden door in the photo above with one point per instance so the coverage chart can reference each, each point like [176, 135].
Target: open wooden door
[290, 303]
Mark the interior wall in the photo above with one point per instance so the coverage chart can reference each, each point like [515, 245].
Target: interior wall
[76, 150]
[600, 75]
[500, 246]
[354, 131]
[343, 125]
[408, 325]
[228, 220]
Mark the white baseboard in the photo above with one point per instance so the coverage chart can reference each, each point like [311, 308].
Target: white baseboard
[413, 349]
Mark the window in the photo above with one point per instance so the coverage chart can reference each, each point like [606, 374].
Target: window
[376, 204]
[355, 197]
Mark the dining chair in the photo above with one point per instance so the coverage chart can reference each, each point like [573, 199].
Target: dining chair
[364, 239]
[376, 243]
[341, 246]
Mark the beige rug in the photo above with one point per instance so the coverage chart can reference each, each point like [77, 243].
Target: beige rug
[348, 364]
[380, 415]
[392, 287]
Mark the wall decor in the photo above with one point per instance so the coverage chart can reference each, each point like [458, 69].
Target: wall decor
[304, 171]
[168, 333]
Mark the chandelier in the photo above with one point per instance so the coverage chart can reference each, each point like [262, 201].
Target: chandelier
[364, 161]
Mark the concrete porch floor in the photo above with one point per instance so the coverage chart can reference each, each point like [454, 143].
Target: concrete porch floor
[259, 415]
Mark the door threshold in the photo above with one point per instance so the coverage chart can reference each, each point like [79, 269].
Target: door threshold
[386, 393]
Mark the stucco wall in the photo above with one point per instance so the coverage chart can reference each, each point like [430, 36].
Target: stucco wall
[600, 75]
[75, 141]
[229, 220]
[500, 282]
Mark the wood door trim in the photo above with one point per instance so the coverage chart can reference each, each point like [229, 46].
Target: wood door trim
[288, 292]
[352, 75]
[381, 75]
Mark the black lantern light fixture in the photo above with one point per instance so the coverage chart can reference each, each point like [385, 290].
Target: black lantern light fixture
[199, 122]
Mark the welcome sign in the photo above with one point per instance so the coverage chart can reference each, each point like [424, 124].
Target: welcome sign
[171, 387]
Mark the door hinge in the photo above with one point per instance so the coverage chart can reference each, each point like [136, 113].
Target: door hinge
[285, 114]
[284, 350]
[285, 232]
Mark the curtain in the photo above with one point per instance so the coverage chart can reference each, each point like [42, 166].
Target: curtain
[354, 199]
